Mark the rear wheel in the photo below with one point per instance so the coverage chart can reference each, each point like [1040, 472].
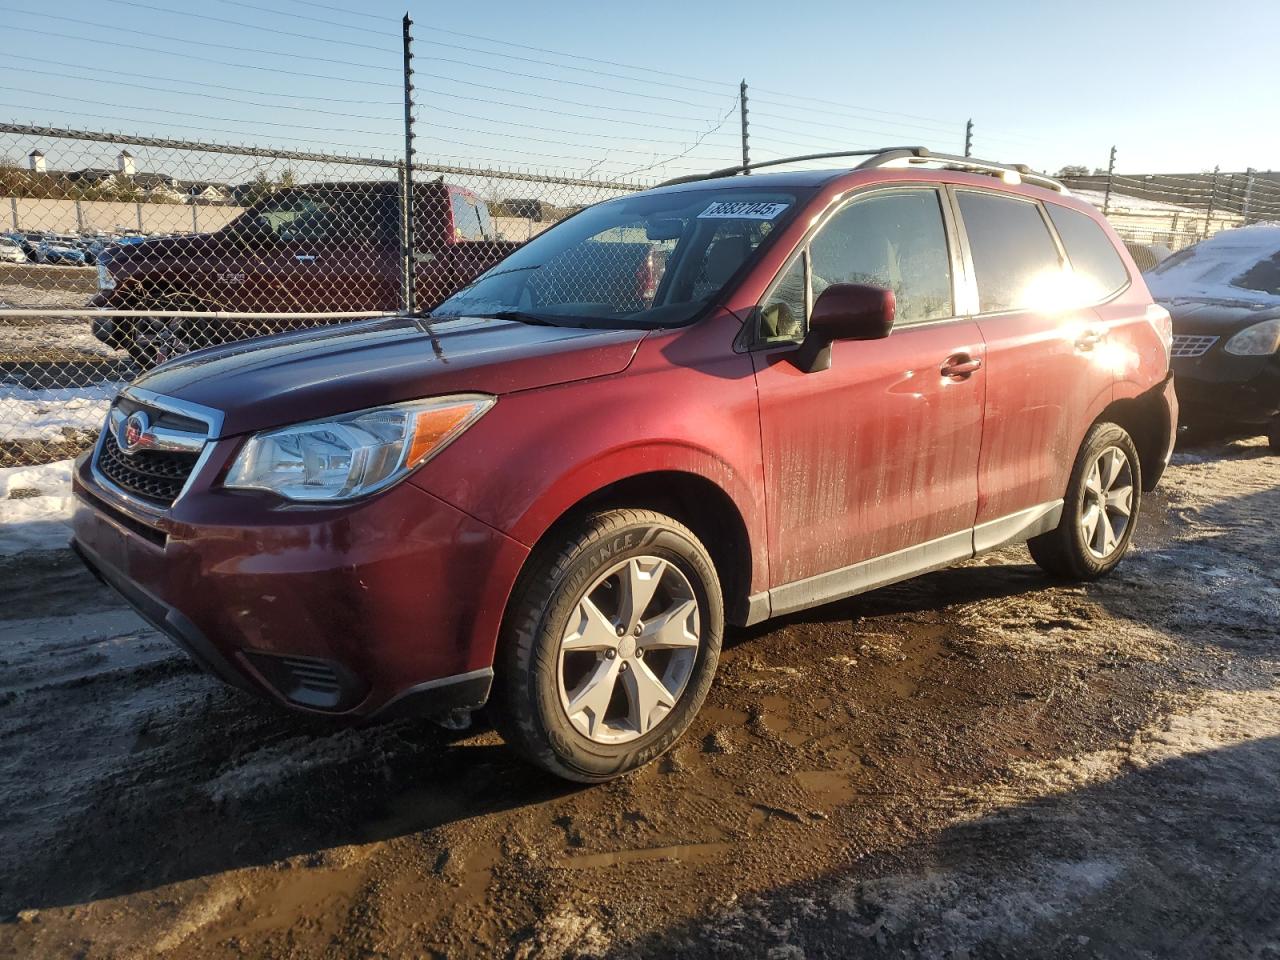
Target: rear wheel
[1099, 510]
[610, 644]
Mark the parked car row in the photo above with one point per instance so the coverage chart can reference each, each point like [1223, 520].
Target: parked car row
[59, 249]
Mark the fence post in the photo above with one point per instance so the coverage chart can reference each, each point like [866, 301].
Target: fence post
[407, 264]
[137, 205]
[79, 217]
[195, 223]
[1248, 193]
[968, 138]
[742, 111]
[13, 205]
[1213, 202]
[1111, 175]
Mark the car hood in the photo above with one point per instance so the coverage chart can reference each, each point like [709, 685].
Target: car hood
[1213, 315]
[319, 372]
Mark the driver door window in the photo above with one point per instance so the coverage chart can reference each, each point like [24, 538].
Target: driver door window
[892, 240]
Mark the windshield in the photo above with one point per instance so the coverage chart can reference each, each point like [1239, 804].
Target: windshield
[328, 213]
[1244, 261]
[650, 260]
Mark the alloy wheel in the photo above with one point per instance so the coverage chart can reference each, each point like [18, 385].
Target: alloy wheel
[629, 649]
[1107, 508]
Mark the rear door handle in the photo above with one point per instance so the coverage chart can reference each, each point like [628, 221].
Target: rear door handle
[961, 366]
[1088, 340]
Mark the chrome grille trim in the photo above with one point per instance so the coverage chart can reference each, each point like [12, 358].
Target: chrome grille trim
[211, 418]
[1187, 346]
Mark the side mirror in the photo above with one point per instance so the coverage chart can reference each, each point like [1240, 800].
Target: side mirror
[844, 311]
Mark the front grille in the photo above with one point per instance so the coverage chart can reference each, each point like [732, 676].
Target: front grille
[153, 476]
[1187, 346]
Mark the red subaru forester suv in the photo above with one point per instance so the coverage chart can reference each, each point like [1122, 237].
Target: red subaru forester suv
[712, 402]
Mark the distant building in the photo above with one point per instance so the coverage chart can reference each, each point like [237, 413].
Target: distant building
[125, 179]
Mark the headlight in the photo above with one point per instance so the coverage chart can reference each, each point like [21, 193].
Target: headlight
[1258, 340]
[105, 280]
[355, 454]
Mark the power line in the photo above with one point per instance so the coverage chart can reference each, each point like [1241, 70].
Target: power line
[541, 97]
[212, 86]
[585, 146]
[534, 126]
[574, 56]
[565, 67]
[97, 41]
[249, 26]
[197, 116]
[188, 126]
[837, 103]
[191, 93]
[345, 26]
[199, 43]
[366, 46]
[431, 106]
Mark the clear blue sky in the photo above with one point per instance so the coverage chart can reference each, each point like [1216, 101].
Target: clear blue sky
[1178, 86]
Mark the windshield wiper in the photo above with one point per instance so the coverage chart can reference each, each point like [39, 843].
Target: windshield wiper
[521, 316]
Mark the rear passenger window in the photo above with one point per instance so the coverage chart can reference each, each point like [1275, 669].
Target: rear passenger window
[1093, 258]
[1014, 256]
[896, 241]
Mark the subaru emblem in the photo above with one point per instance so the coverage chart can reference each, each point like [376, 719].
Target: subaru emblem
[133, 432]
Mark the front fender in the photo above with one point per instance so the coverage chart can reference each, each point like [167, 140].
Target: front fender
[538, 453]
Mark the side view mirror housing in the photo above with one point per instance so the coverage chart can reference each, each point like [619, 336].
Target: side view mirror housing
[844, 311]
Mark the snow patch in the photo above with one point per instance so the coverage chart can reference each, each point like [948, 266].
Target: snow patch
[35, 507]
[27, 414]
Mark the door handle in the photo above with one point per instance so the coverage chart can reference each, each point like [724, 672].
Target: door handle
[1088, 340]
[960, 366]
[305, 257]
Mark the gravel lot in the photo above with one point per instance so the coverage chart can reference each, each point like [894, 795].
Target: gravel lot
[979, 763]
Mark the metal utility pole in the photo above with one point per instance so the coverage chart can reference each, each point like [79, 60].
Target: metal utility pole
[742, 110]
[1111, 173]
[968, 138]
[407, 263]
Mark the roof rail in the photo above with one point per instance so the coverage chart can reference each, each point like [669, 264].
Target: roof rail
[948, 161]
[883, 156]
[747, 168]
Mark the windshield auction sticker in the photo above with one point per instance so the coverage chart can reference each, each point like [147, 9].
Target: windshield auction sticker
[742, 210]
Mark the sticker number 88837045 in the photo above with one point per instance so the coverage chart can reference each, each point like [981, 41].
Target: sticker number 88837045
[743, 210]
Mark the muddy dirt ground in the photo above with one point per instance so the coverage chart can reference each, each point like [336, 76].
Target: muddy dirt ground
[979, 763]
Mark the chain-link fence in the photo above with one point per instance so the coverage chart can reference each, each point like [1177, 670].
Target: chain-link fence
[1160, 214]
[117, 254]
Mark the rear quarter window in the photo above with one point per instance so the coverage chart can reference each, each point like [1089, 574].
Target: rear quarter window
[1014, 256]
[1093, 257]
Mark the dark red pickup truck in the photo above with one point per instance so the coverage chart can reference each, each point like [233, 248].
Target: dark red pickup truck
[315, 248]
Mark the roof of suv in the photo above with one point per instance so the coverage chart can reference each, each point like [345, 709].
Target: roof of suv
[887, 158]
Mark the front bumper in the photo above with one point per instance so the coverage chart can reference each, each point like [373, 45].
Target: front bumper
[390, 606]
[1221, 390]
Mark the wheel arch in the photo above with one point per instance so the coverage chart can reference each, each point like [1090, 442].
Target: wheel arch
[694, 500]
[1146, 419]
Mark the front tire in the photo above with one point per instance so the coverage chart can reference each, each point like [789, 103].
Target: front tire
[609, 645]
[1099, 511]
